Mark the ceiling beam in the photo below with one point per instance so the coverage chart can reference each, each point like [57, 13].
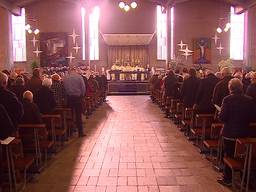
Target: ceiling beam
[10, 7]
[23, 3]
[245, 6]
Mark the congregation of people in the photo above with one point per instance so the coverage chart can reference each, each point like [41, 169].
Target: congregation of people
[200, 101]
[47, 95]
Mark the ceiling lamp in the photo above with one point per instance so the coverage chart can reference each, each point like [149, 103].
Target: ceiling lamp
[126, 8]
[36, 31]
[30, 31]
[122, 5]
[219, 30]
[27, 27]
[133, 5]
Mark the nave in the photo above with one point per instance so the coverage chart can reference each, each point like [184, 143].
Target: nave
[129, 146]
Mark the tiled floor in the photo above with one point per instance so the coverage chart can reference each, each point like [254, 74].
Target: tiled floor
[130, 147]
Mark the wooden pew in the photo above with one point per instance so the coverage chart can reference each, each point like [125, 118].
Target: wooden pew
[35, 139]
[22, 163]
[179, 115]
[6, 150]
[244, 159]
[67, 123]
[52, 121]
[188, 121]
[213, 143]
[202, 128]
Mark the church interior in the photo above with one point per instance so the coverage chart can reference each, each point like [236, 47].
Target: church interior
[127, 95]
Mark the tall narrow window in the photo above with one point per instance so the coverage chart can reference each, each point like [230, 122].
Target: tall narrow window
[172, 33]
[83, 31]
[19, 37]
[161, 34]
[94, 33]
[237, 35]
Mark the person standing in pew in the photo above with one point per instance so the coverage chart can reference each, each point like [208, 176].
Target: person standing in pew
[75, 90]
[251, 90]
[10, 101]
[189, 89]
[221, 88]
[7, 127]
[203, 102]
[31, 111]
[45, 98]
[237, 111]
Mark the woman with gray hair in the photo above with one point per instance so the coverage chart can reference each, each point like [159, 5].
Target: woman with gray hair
[251, 90]
[45, 98]
[237, 111]
[31, 110]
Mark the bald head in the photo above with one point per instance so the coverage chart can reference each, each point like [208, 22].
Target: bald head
[226, 71]
[235, 85]
[28, 95]
[3, 80]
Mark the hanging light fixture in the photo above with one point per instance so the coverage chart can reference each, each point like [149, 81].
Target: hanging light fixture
[30, 31]
[127, 8]
[121, 5]
[36, 31]
[219, 30]
[133, 5]
[27, 27]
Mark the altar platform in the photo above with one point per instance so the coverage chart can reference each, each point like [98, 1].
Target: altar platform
[128, 87]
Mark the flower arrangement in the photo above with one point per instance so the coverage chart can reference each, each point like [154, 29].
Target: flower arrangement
[34, 65]
[225, 63]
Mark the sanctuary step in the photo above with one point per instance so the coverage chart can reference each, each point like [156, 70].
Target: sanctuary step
[128, 87]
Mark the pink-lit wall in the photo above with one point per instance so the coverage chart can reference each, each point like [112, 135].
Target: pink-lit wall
[193, 19]
[53, 16]
[139, 20]
[197, 18]
[5, 40]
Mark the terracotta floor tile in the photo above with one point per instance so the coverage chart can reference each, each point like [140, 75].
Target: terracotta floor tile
[129, 147]
[147, 181]
[127, 172]
[132, 181]
[106, 181]
[92, 181]
[127, 189]
[170, 189]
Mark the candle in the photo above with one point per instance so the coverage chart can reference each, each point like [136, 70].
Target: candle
[95, 68]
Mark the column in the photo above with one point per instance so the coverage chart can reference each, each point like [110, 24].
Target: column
[6, 61]
[250, 45]
[168, 21]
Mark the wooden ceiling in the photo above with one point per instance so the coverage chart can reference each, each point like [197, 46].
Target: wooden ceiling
[15, 5]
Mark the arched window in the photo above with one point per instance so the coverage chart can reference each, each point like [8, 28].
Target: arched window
[19, 37]
[161, 34]
[237, 35]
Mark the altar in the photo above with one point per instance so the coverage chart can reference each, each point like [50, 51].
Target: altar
[128, 82]
[119, 75]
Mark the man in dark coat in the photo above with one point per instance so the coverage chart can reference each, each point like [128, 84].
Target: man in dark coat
[45, 97]
[203, 102]
[31, 110]
[35, 83]
[251, 90]
[171, 85]
[189, 89]
[9, 100]
[7, 128]
[237, 112]
[221, 88]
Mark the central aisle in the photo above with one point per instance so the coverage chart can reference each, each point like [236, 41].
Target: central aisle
[130, 147]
